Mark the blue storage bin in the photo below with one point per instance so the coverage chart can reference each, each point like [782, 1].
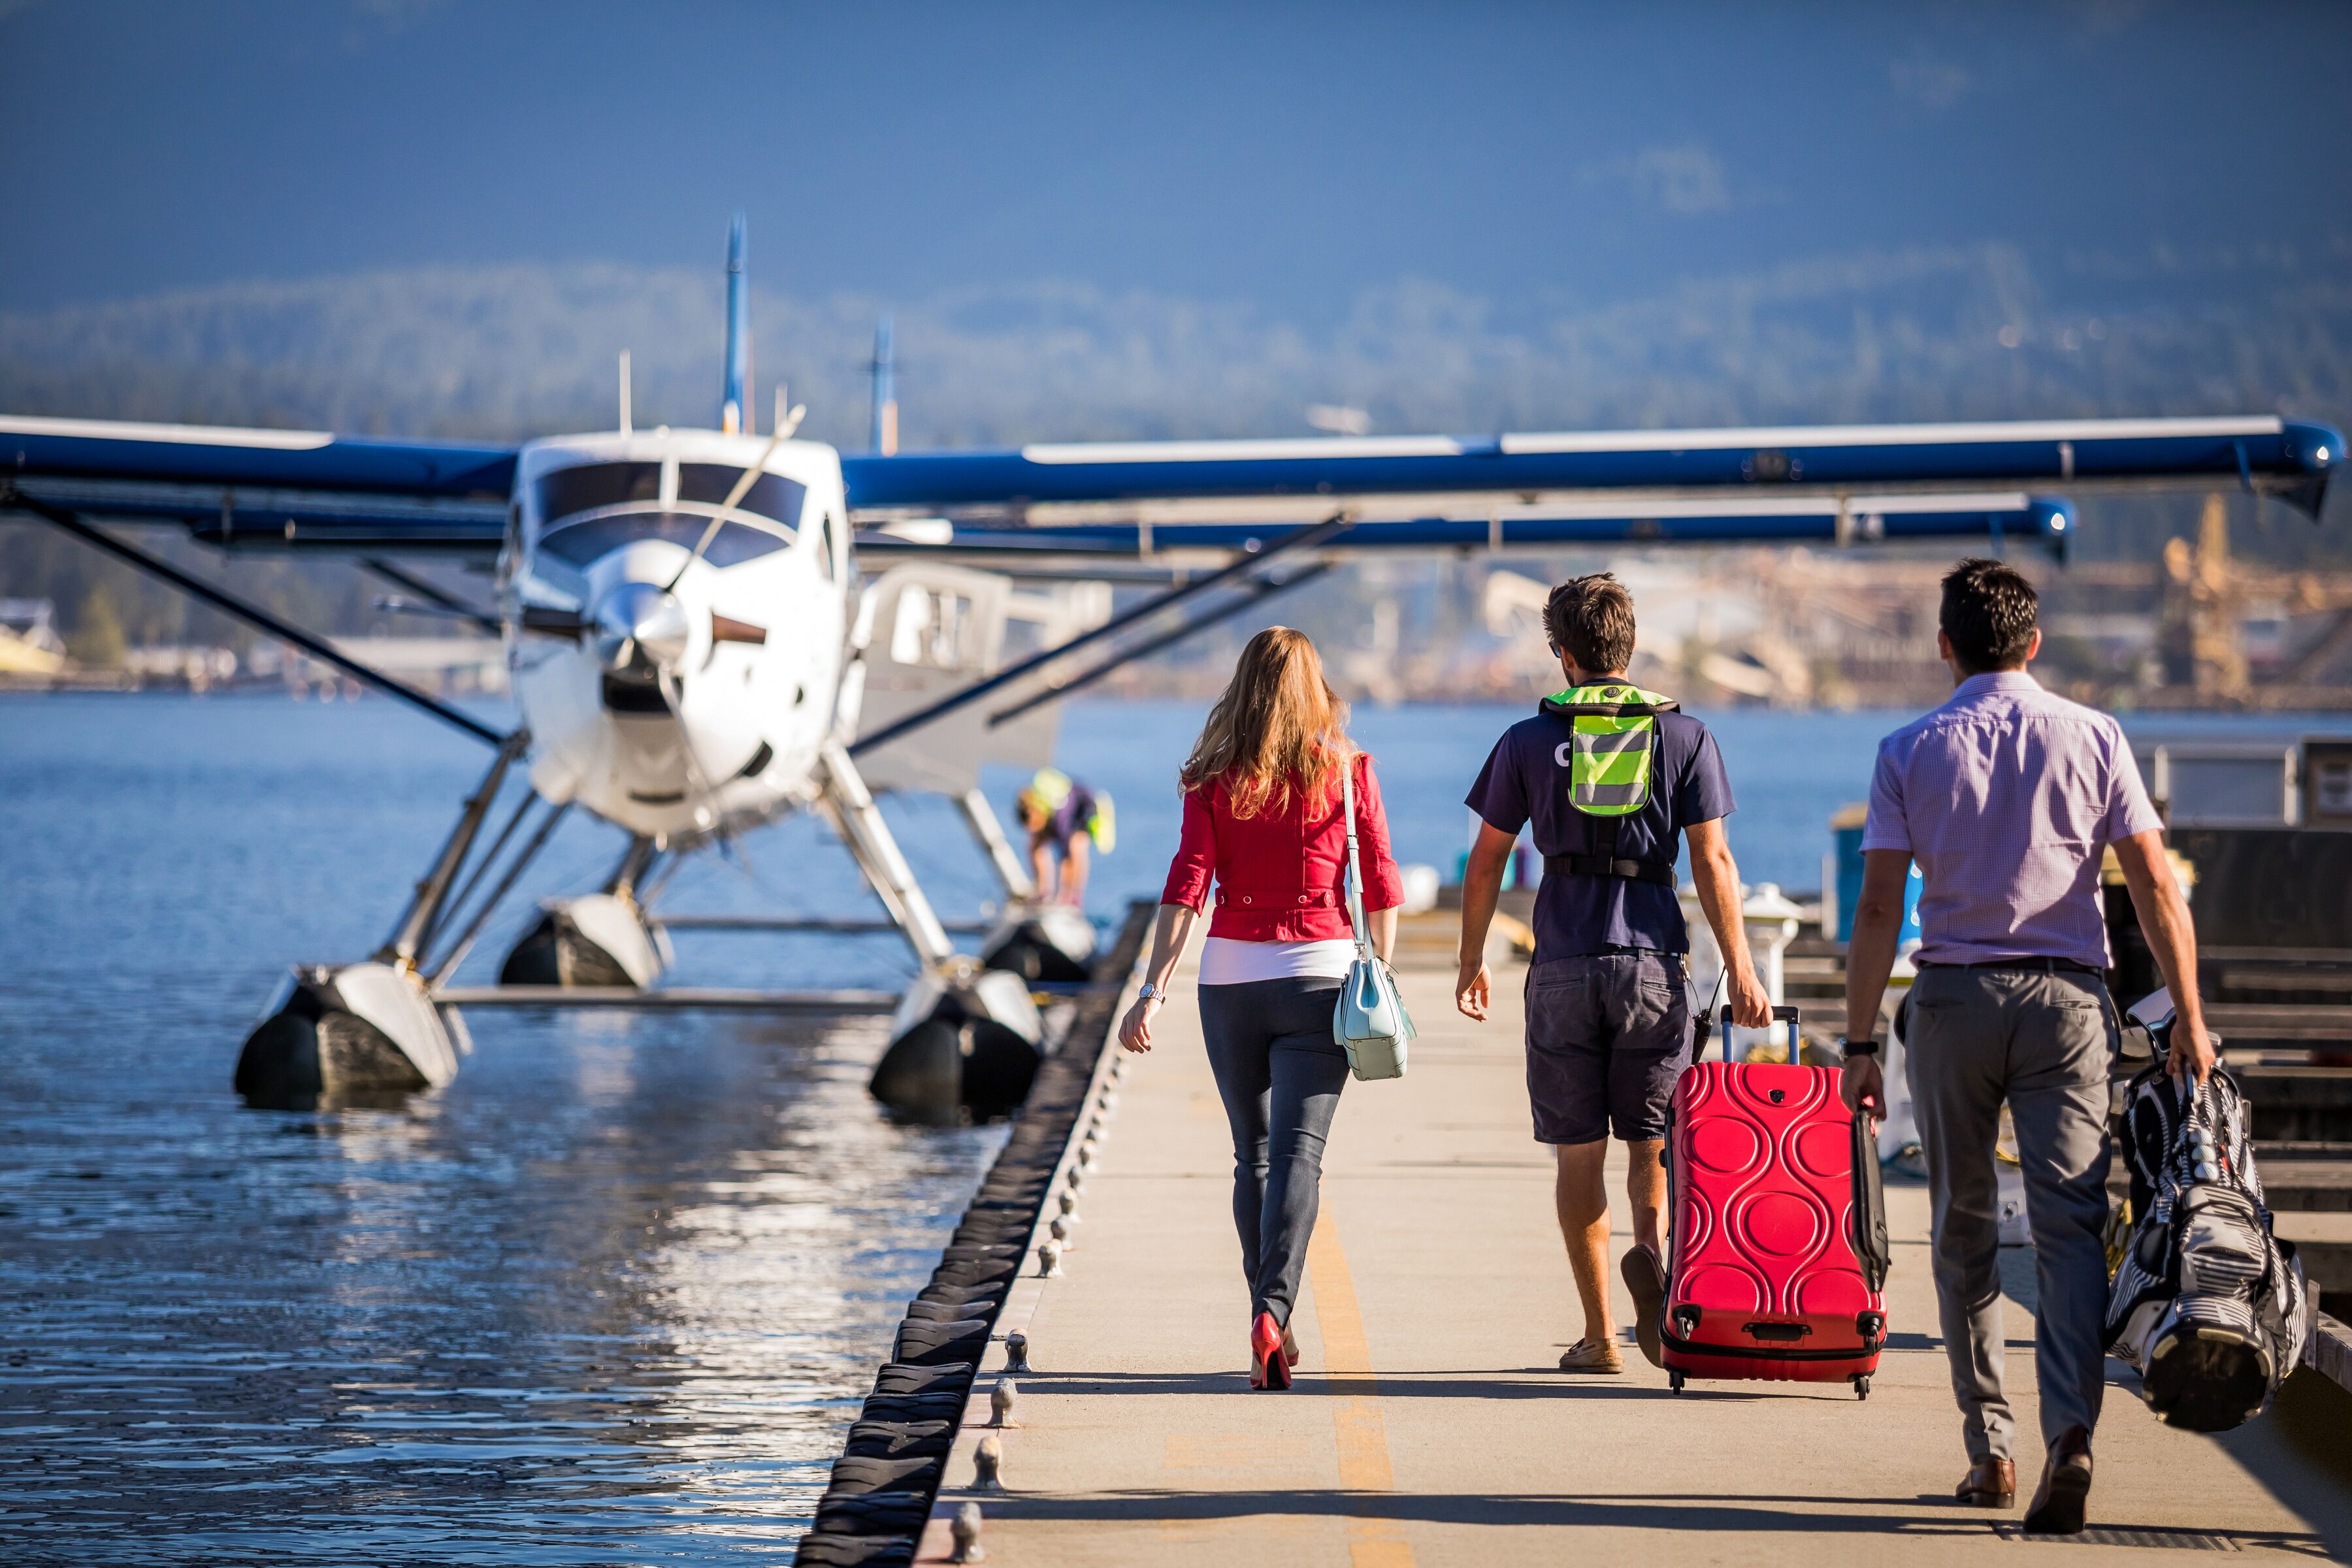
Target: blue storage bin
[1845, 828]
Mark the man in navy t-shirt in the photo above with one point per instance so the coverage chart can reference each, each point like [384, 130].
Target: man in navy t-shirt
[1608, 774]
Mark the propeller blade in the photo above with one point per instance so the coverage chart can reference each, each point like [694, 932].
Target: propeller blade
[706, 799]
[734, 497]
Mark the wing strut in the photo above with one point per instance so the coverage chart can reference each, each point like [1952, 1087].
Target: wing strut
[1248, 560]
[1258, 593]
[251, 614]
[431, 594]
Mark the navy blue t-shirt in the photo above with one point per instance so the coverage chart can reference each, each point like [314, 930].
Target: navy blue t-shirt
[1527, 779]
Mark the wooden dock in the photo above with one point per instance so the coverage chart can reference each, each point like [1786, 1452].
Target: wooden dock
[1428, 1425]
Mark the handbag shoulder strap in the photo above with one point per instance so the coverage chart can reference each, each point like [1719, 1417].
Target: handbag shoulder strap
[1355, 919]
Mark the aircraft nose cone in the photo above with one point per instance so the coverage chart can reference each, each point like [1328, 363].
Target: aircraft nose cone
[638, 619]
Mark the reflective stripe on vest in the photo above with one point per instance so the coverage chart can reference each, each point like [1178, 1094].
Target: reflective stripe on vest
[1614, 740]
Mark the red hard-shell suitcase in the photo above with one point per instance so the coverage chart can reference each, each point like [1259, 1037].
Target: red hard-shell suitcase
[1777, 1243]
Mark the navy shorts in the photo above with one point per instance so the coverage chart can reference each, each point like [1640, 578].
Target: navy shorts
[1608, 1032]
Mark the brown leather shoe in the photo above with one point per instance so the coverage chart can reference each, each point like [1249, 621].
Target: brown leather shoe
[1989, 1483]
[2060, 1503]
[1592, 1355]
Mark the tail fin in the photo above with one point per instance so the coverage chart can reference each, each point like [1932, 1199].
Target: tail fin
[735, 395]
[883, 438]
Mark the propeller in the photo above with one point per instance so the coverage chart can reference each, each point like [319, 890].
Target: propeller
[786, 423]
[545, 621]
[641, 633]
[640, 616]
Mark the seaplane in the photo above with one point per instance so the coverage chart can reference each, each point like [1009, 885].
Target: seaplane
[709, 630]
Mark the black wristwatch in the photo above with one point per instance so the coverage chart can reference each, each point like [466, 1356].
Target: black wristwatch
[1865, 1047]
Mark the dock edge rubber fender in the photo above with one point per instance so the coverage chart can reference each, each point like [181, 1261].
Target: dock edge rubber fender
[894, 1457]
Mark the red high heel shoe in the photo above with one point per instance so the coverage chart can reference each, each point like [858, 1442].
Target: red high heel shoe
[1269, 1368]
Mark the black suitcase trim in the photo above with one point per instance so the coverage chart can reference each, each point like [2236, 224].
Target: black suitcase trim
[1871, 1247]
[1681, 1346]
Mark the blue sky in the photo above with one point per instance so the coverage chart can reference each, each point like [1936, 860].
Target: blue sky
[1286, 156]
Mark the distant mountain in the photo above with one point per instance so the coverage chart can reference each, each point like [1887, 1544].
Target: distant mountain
[513, 351]
[518, 351]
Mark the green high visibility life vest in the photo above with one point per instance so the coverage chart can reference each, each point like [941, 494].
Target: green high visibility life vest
[1610, 756]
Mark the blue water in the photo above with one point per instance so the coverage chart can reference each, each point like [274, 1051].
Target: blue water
[610, 1296]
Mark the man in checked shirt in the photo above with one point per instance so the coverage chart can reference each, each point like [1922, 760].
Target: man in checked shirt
[2007, 796]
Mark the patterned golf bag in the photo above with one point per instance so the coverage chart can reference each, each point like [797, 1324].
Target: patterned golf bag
[2209, 1305]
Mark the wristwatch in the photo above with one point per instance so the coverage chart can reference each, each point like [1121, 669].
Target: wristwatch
[1148, 992]
[1865, 1047]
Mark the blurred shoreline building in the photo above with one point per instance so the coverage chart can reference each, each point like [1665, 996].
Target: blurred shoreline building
[2198, 628]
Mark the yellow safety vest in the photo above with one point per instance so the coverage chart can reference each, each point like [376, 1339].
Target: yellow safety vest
[1610, 756]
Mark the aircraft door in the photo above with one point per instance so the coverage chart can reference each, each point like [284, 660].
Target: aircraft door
[930, 629]
[1041, 619]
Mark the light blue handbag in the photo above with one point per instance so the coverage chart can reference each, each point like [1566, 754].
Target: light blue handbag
[1369, 1021]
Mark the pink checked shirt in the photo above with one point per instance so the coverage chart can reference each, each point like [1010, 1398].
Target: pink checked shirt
[2007, 797]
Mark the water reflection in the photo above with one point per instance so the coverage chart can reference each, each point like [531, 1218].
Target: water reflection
[609, 1297]
[604, 1296]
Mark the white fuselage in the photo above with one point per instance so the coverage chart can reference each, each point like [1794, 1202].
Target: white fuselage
[688, 693]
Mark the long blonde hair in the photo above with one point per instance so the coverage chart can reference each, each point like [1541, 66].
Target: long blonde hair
[1278, 727]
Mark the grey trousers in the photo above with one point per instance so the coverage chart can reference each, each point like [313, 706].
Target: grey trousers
[2043, 1042]
[1280, 1072]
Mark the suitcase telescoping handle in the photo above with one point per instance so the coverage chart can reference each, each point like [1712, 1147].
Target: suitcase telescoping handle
[1779, 1016]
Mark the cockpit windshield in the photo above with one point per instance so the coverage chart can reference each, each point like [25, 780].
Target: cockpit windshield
[591, 509]
[771, 496]
[593, 485]
[581, 543]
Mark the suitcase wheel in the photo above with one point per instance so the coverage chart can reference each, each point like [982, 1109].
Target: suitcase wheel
[1861, 1386]
[1674, 1381]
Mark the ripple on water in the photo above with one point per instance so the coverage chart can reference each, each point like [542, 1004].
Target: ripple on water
[610, 1297]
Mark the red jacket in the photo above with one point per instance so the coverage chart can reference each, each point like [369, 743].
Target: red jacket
[1280, 875]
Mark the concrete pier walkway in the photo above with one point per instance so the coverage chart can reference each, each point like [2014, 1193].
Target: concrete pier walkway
[1429, 1425]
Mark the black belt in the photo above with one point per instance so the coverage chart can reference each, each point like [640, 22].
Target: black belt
[2029, 965]
[1662, 872]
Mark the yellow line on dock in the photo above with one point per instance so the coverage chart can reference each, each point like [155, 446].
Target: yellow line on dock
[1357, 1429]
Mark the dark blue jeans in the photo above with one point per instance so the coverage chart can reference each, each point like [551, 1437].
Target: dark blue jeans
[1280, 1073]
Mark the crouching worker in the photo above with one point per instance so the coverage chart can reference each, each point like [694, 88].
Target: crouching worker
[1608, 774]
[1062, 818]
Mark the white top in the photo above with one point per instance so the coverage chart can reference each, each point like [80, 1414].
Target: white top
[1225, 962]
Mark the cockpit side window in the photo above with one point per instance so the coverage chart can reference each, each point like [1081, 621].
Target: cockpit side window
[771, 496]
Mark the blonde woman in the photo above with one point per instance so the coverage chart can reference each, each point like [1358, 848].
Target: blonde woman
[1263, 816]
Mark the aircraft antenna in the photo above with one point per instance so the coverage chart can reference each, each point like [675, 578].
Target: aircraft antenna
[735, 394]
[883, 438]
[626, 425]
